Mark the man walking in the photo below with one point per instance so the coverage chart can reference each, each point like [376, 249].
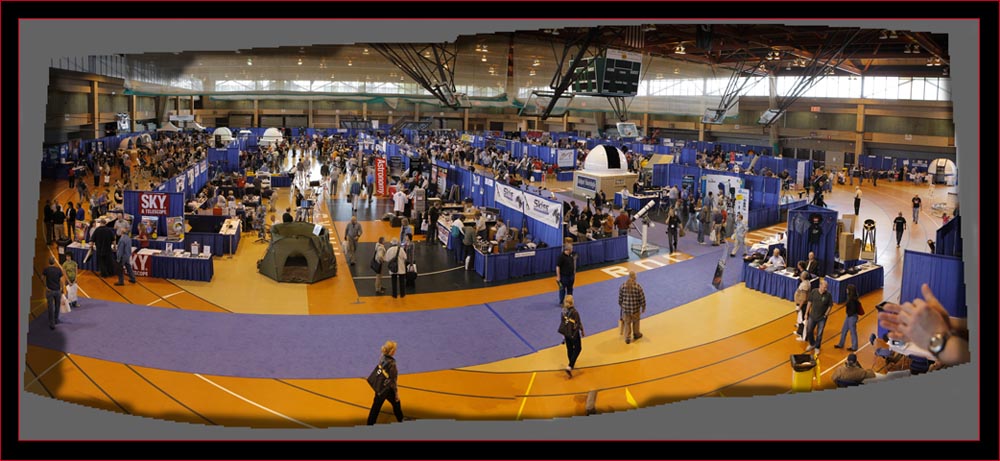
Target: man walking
[857, 200]
[380, 260]
[632, 301]
[566, 272]
[673, 227]
[817, 309]
[704, 215]
[54, 284]
[351, 235]
[916, 209]
[740, 236]
[899, 225]
[103, 238]
[124, 256]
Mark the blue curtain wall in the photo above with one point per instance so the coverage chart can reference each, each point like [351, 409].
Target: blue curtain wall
[798, 247]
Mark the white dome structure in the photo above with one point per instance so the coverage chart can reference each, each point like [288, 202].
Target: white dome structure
[944, 170]
[605, 159]
[224, 133]
[271, 136]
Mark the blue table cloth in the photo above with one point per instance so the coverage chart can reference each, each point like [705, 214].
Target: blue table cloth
[634, 202]
[169, 267]
[221, 244]
[162, 266]
[282, 180]
[497, 267]
[773, 283]
[564, 175]
[866, 282]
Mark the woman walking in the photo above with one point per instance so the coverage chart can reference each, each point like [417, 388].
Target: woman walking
[800, 298]
[853, 309]
[572, 330]
[390, 392]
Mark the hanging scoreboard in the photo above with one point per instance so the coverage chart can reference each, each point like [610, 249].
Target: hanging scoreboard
[614, 74]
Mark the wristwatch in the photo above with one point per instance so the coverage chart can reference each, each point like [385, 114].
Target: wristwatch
[937, 343]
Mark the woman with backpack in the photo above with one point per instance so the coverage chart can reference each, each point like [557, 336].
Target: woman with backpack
[572, 330]
[389, 389]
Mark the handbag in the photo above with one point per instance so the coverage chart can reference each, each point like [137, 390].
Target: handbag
[567, 327]
[861, 310]
[394, 264]
[64, 305]
[376, 266]
[378, 379]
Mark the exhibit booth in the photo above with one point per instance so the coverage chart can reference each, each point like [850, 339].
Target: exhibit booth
[605, 169]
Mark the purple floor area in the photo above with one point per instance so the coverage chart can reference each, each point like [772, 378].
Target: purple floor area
[336, 346]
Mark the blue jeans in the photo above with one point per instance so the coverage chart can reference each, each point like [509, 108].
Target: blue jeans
[916, 215]
[54, 297]
[851, 325]
[566, 287]
[819, 325]
[126, 267]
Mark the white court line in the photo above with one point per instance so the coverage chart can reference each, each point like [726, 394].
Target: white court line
[372, 277]
[842, 361]
[46, 371]
[254, 403]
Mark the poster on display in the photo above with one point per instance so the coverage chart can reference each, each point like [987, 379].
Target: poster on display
[565, 157]
[147, 226]
[801, 173]
[175, 228]
[442, 180]
[381, 176]
[180, 183]
[467, 137]
[688, 182]
[647, 147]
[710, 183]
[742, 204]
[153, 204]
[142, 263]
[81, 231]
[190, 173]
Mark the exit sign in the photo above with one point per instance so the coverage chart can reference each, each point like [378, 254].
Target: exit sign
[814, 108]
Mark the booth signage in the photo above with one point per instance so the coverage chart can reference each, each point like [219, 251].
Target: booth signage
[180, 183]
[524, 254]
[381, 176]
[142, 264]
[565, 157]
[153, 204]
[586, 183]
[545, 211]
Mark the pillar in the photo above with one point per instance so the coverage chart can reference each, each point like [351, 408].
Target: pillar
[309, 115]
[859, 134]
[256, 111]
[772, 96]
[364, 111]
[465, 120]
[95, 113]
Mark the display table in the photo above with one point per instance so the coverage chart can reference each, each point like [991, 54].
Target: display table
[503, 266]
[780, 283]
[277, 180]
[635, 202]
[223, 241]
[866, 281]
[157, 265]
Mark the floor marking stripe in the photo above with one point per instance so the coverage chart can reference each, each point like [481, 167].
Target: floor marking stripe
[524, 399]
[512, 330]
[46, 371]
[842, 361]
[251, 402]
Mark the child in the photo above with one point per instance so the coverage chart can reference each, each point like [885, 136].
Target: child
[70, 268]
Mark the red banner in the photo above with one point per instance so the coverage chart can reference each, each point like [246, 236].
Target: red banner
[153, 204]
[142, 264]
[381, 176]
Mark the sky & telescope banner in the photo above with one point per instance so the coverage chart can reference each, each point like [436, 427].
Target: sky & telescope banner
[535, 207]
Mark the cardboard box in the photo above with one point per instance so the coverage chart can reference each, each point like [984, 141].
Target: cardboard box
[849, 221]
[844, 241]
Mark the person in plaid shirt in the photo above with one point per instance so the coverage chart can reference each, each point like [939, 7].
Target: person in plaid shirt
[632, 300]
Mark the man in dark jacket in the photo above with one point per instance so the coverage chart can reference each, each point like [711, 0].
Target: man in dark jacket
[103, 238]
[124, 257]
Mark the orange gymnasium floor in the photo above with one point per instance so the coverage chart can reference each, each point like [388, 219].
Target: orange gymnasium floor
[735, 342]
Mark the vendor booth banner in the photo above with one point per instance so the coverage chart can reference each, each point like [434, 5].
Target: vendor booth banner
[586, 183]
[710, 183]
[190, 173]
[565, 157]
[743, 203]
[544, 211]
[381, 176]
[180, 183]
[153, 204]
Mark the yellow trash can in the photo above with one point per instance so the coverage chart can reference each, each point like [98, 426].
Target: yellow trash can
[804, 369]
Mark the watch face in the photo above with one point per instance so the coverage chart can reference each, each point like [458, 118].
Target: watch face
[936, 343]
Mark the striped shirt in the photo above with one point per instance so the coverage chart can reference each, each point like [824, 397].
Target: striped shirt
[631, 298]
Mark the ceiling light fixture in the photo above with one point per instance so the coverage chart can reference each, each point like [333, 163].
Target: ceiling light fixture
[649, 28]
[249, 61]
[483, 58]
[537, 63]
[479, 48]
[349, 62]
[930, 62]
[485, 49]
[892, 34]
[916, 49]
[659, 76]
[532, 72]
[300, 61]
[427, 53]
[365, 52]
[937, 61]
[906, 49]
[679, 49]
[677, 71]
[944, 71]
[884, 34]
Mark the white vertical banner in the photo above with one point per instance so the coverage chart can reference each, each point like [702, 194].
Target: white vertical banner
[565, 157]
[742, 204]
[801, 173]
